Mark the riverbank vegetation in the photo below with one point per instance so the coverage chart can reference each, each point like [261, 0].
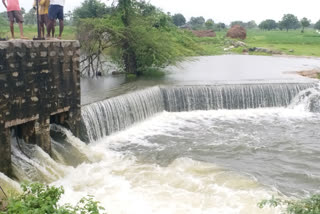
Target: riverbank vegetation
[140, 38]
[135, 36]
[39, 199]
[309, 205]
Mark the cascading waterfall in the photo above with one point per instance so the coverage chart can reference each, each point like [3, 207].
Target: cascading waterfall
[183, 98]
[115, 114]
[112, 115]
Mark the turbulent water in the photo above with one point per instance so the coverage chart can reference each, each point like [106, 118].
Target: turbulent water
[236, 146]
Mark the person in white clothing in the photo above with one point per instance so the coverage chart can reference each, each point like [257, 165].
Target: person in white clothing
[55, 12]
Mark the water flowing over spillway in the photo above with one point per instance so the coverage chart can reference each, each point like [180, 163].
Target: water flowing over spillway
[106, 117]
[109, 116]
[187, 149]
[183, 98]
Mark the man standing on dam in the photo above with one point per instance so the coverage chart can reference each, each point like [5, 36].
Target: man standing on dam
[55, 12]
[14, 14]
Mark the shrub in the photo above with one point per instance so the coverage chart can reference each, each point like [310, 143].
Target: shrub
[39, 199]
[304, 206]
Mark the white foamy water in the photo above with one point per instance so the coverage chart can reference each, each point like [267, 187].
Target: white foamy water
[135, 172]
[216, 161]
[123, 185]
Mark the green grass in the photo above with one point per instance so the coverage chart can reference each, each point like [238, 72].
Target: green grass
[30, 31]
[307, 43]
[302, 44]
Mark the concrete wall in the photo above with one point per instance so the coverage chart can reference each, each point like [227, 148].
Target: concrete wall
[39, 80]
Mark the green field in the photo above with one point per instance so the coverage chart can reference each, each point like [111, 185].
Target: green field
[302, 44]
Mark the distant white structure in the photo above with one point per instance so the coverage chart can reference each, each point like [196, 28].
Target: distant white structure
[318, 31]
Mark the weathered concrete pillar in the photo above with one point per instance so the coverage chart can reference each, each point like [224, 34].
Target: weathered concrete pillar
[42, 134]
[38, 80]
[5, 151]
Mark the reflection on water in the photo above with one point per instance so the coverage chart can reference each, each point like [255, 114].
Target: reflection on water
[211, 70]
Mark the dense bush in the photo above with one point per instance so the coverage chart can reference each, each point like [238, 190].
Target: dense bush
[42, 199]
[136, 36]
[305, 206]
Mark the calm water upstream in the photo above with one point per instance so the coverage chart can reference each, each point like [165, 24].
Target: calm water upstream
[209, 70]
[217, 137]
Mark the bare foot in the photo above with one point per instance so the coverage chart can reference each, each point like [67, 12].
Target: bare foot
[23, 37]
[59, 37]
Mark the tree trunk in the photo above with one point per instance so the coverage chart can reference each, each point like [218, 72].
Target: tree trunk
[129, 56]
[129, 59]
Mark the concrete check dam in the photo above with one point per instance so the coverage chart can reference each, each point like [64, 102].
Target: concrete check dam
[210, 148]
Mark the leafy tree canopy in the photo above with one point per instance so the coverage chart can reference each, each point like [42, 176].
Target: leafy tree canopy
[268, 24]
[209, 24]
[136, 36]
[241, 23]
[178, 19]
[30, 18]
[248, 25]
[220, 26]
[305, 23]
[290, 21]
[252, 24]
[317, 25]
[197, 22]
[91, 9]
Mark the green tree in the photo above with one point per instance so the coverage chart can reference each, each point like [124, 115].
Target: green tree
[23, 11]
[136, 36]
[209, 24]
[305, 23]
[221, 26]
[241, 23]
[268, 24]
[178, 19]
[68, 18]
[290, 21]
[317, 25]
[30, 18]
[197, 22]
[252, 24]
[91, 9]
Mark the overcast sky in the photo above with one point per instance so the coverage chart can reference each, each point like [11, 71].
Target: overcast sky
[225, 10]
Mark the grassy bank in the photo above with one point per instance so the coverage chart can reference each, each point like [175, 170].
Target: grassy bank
[291, 43]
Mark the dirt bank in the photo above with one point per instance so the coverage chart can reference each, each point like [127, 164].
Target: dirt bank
[314, 73]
